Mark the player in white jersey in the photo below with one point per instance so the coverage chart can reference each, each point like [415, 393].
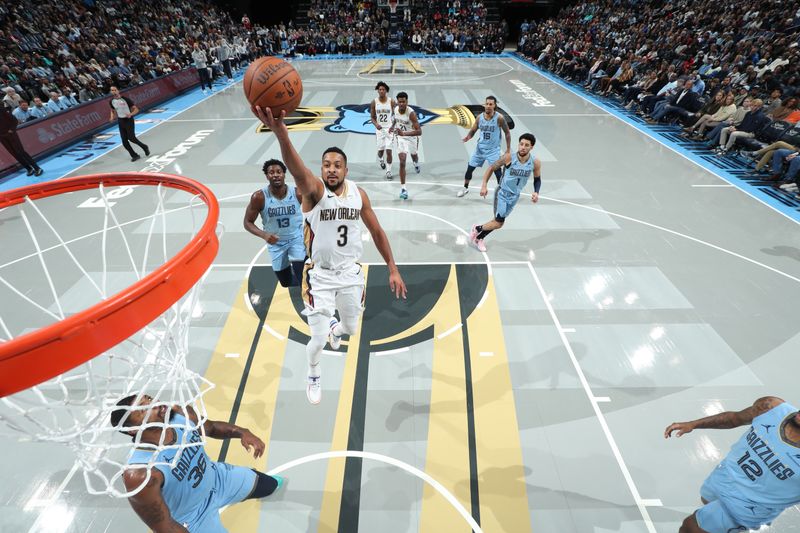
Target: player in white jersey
[380, 111]
[757, 480]
[407, 130]
[333, 280]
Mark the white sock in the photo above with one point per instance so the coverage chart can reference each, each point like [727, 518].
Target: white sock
[313, 370]
[337, 330]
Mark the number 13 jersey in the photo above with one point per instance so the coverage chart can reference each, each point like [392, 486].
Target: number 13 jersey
[333, 229]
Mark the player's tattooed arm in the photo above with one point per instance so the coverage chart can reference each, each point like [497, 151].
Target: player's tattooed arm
[504, 160]
[149, 503]
[504, 125]
[471, 132]
[725, 420]
[223, 430]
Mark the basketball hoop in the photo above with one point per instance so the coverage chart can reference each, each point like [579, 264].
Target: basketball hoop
[393, 6]
[61, 381]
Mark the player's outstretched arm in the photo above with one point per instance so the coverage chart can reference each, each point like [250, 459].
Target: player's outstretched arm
[254, 208]
[396, 283]
[307, 183]
[149, 503]
[223, 430]
[504, 160]
[725, 420]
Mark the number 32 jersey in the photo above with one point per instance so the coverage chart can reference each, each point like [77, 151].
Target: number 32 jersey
[763, 469]
[333, 229]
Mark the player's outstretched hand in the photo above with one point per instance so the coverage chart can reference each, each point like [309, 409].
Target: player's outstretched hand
[681, 427]
[397, 285]
[253, 444]
[535, 197]
[484, 190]
[268, 119]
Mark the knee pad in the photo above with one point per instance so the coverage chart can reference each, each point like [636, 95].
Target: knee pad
[468, 173]
[265, 485]
[285, 277]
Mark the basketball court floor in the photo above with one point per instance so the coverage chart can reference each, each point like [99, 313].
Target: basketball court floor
[526, 388]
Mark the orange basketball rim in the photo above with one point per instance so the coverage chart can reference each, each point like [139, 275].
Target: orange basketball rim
[30, 359]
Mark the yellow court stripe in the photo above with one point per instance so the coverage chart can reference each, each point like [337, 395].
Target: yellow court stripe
[257, 408]
[447, 455]
[502, 487]
[334, 478]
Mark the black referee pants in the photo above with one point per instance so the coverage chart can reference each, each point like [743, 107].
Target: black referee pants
[13, 144]
[128, 135]
[205, 77]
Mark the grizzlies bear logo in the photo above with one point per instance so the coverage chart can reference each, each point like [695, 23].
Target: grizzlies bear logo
[355, 118]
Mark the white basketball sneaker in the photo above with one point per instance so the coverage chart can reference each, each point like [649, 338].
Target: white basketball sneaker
[463, 192]
[333, 340]
[314, 390]
[388, 174]
[417, 168]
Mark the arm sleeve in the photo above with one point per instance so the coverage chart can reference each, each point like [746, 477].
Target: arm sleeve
[537, 183]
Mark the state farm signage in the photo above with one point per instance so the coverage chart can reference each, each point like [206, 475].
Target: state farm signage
[56, 131]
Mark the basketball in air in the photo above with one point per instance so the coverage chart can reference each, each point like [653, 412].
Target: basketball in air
[274, 83]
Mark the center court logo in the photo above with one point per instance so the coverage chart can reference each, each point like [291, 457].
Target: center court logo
[355, 118]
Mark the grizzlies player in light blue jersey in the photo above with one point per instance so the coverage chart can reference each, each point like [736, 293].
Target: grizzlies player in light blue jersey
[490, 123]
[278, 205]
[185, 492]
[758, 478]
[516, 169]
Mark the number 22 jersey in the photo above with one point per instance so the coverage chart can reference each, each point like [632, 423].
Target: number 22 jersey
[333, 229]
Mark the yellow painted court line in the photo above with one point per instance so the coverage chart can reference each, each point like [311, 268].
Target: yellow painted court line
[257, 408]
[447, 455]
[502, 487]
[334, 478]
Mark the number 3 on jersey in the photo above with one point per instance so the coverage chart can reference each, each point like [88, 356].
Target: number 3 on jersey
[342, 240]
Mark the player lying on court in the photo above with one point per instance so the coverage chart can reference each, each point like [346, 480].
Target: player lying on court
[333, 208]
[756, 481]
[515, 171]
[188, 496]
[278, 205]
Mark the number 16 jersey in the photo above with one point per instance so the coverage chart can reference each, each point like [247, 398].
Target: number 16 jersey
[333, 229]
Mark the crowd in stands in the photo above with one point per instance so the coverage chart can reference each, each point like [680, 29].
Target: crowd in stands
[57, 54]
[431, 26]
[728, 72]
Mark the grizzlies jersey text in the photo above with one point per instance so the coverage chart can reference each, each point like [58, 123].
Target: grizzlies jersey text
[762, 469]
[189, 484]
[333, 229]
[282, 216]
[516, 175]
[383, 112]
[488, 133]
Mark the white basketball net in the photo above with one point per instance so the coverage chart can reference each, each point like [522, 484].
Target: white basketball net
[62, 272]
